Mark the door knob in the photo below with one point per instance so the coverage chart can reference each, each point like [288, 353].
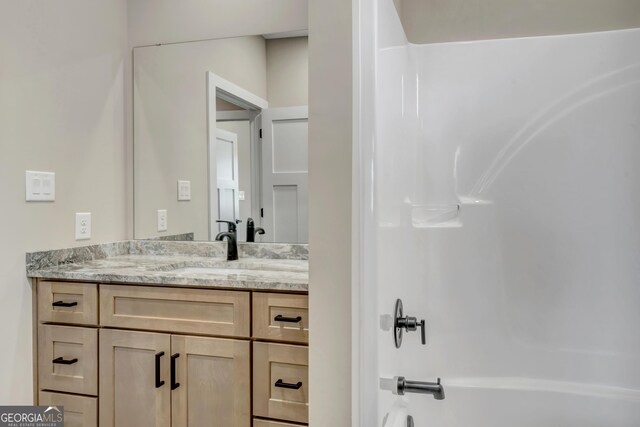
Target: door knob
[407, 323]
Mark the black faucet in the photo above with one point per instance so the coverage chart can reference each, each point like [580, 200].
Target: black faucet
[232, 241]
[252, 231]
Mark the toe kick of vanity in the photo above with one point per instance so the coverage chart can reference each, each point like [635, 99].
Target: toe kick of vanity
[138, 355]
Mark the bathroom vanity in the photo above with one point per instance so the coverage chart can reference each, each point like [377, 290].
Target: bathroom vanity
[170, 334]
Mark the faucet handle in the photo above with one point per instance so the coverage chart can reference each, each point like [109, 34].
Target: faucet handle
[231, 224]
[409, 324]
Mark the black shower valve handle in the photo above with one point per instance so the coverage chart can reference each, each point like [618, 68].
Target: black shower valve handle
[411, 324]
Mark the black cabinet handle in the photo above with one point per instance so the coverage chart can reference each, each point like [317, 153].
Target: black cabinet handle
[174, 384]
[159, 382]
[281, 318]
[282, 384]
[61, 361]
[64, 304]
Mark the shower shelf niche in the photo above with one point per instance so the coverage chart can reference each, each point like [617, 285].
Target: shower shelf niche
[436, 216]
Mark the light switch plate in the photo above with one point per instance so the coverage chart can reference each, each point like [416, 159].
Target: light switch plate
[184, 191]
[240, 195]
[83, 226]
[40, 186]
[162, 220]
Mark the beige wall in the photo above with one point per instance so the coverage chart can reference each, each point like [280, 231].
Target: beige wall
[288, 72]
[330, 204]
[433, 21]
[171, 124]
[61, 110]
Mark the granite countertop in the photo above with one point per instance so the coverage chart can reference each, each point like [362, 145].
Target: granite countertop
[194, 264]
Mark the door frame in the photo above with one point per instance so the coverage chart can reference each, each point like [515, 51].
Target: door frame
[253, 106]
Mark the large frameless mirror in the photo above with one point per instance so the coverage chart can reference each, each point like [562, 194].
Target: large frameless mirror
[220, 134]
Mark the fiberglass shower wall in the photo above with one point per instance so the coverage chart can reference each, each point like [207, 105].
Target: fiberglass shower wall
[505, 196]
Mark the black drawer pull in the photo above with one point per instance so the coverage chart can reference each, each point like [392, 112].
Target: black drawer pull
[64, 304]
[282, 384]
[61, 361]
[159, 382]
[174, 384]
[281, 318]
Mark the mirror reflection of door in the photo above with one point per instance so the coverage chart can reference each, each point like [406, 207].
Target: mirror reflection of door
[227, 167]
[285, 196]
[245, 196]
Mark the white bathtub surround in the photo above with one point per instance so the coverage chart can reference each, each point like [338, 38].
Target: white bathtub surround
[501, 189]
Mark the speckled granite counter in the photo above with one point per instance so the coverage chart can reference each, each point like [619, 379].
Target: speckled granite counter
[262, 266]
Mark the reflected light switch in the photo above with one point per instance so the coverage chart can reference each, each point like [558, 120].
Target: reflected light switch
[162, 220]
[184, 191]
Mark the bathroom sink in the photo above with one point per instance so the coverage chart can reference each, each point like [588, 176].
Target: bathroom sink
[245, 267]
[208, 270]
[240, 273]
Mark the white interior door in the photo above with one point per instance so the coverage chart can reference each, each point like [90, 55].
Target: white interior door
[227, 174]
[285, 174]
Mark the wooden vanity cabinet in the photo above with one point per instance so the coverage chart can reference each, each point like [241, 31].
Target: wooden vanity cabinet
[171, 356]
[151, 379]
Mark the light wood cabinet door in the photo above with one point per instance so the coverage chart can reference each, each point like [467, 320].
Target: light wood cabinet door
[211, 383]
[79, 411]
[131, 364]
[280, 381]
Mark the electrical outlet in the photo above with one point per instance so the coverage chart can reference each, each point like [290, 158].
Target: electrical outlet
[83, 226]
[162, 220]
[184, 191]
[40, 186]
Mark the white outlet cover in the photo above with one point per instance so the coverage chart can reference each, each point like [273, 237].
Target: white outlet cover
[184, 191]
[162, 220]
[83, 226]
[40, 186]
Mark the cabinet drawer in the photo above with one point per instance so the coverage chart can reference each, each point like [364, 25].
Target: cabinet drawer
[79, 411]
[280, 381]
[265, 423]
[68, 359]
[64, 302]
[281, 317]
[199, 311]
